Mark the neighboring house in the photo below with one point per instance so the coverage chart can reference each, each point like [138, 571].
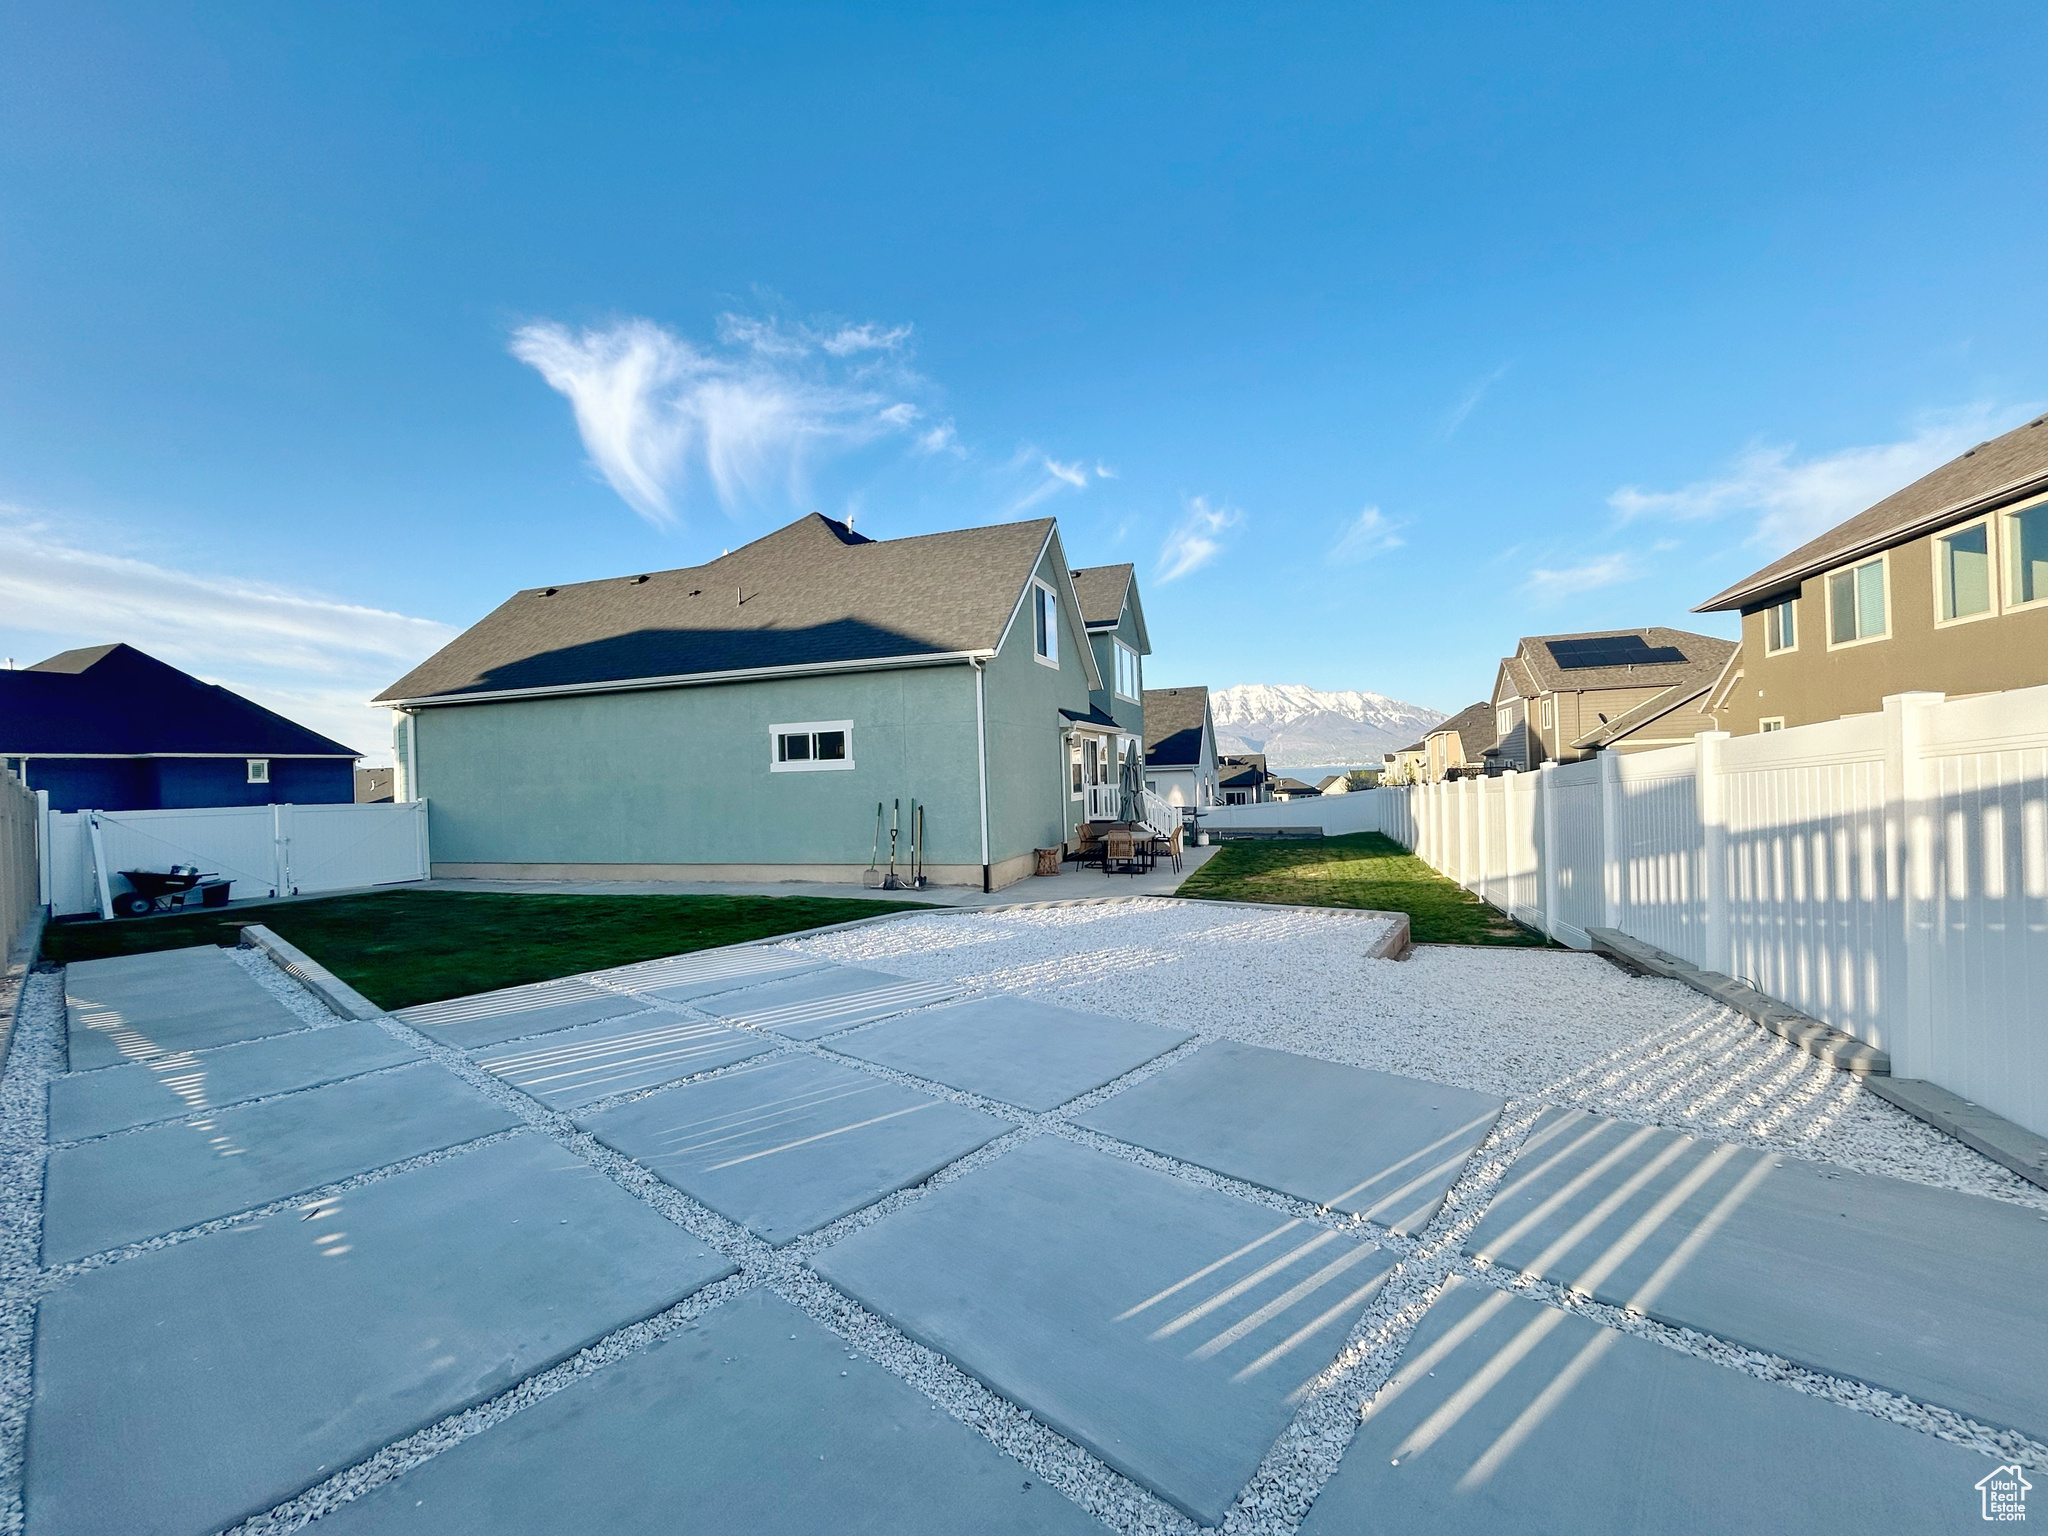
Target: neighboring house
[741, 719]
[1243, 780]
[1940, 586]
[1180, 746]
[1334, 784]
[1293, 789]
[109, 728]
[1405, 766]
[1561, 698]
[374, 786]
[1458, 748]
[1115, 621]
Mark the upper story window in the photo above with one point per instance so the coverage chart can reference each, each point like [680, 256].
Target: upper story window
[810, 746]
[1856, 603]
[2026, 554]
[1781, 626]
[1503, 721]
[1962, 573]
[259, 770]
[1128, 679]
[1045, 624]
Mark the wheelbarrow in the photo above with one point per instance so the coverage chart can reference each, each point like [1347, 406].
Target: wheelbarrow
[158, 890]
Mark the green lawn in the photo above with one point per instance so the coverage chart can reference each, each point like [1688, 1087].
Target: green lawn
[403, 947]
[1364, 869]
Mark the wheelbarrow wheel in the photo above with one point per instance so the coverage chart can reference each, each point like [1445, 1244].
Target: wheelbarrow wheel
[133, 905]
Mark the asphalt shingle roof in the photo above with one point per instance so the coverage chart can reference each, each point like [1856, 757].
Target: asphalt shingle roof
[1101, 589]
[113, 700]
[809, 594]
[1473, 726]
[2002, 469]
[1704, 657]
[1173, 726]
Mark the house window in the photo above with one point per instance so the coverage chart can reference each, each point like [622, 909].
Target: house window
[1856, 607]
[1781, 627]
[1127, 678]
[2027, 554]
[259, 770]
[810, 746]
[1774, 723]
[1502, 722]
[1549, 713]
[1074, 766]
[1962, 572]
[1045, 624]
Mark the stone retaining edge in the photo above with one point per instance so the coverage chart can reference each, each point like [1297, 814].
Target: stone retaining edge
[310, 974]
[2012, 1146]
[1822, 1041]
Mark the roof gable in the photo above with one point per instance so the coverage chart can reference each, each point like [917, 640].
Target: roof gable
[2003, 469]
[1176, 724]
[116, 701]
[811, 594]
[1538, 668]
[1473, 726]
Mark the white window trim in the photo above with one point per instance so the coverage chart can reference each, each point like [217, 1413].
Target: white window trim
[259, 770]
[1052, 635]
[2008, 522]
[808, 728]
[1995, 574]
[1770, 723]
[1884, 561]
[1118, 651]
[1798, 624]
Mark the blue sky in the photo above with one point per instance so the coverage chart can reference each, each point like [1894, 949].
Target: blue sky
[1375, 336]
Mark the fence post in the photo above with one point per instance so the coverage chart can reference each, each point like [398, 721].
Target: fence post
[1610, 838]
[1715, 946]
[1910, 830]
[1546, 851]
[43, 871]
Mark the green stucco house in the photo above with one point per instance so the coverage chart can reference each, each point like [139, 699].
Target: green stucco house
[740, 720]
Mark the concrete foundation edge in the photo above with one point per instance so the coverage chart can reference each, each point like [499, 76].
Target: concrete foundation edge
[311, 974]
[823, 874]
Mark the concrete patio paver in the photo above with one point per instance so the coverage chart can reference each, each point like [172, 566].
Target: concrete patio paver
[753, 1419]
[1368, 1143]
[823, 1002]
[135, 1007]
[187, 1082]
[1031, 1054]
[1509, 1416]
[144, 1183]
[686, 978]
[1922, 1291]
[190, 1387]
[490, 1018]
[785, 1147]
[1168, 1328]
[572, 1067]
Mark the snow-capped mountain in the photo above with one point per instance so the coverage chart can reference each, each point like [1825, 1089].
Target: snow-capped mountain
[1294, 725]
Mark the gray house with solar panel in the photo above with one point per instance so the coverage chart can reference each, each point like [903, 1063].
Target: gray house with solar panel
[1561, 698]
[742, 719]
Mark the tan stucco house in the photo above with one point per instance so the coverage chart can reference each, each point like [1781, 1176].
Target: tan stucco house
[1561, 698]
[1941, 586]
[1458, 747]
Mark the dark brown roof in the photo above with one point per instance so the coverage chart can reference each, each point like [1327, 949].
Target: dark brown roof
[1473, 726]
[814, 593]
[1242, 768]
[1101, 590]
[2000, 470]
[1534, 662]
[1173, 726]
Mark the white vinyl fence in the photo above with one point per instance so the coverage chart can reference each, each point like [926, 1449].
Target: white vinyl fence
[267, 850]
[1886, 873]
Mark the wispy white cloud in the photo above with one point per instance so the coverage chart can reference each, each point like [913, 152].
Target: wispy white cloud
[1469, 402]
[1050, 476]
[1794, 498]
[752, 414]
[1196, 539]
[1370, 533]
[308, 656]
[1609, 570]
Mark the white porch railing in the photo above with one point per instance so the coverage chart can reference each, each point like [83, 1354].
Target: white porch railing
[1104, 802]
[1157, 813]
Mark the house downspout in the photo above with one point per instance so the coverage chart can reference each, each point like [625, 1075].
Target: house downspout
[412, 754]
[981, 762]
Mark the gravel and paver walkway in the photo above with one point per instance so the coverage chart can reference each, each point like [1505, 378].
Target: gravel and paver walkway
[1138, 1217]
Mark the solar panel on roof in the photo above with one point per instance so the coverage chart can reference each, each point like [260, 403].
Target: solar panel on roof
[1611, 651]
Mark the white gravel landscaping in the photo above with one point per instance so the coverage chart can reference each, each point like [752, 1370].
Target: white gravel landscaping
[1537, 1026]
